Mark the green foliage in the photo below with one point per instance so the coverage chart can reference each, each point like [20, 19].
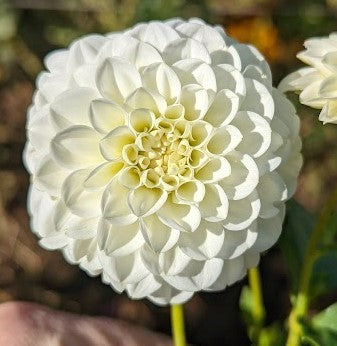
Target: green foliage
[159, 9]
[271, 335]
[322, 329]
[294, 240]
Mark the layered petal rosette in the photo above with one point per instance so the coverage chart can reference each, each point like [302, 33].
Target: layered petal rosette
[161, 157]
[317, 84]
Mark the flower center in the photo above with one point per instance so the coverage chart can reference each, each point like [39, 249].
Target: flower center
[164, 152]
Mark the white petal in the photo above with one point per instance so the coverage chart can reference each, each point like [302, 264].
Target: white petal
[49, 175]
[185, 48]
[138, 53]
[228, 77]
[144, 201]
[81, 228]
[113, 143]
[143, 98]
[258, 99]
[130, 177]
[56, 60]
[200, 133]
[157, 34]
[158, 236]
[72, 107]
[114, 205]
[249, 55]
[185, 218]
[252, 259]
[51, 85]
[40, 129]
[124, 269]
[119, 240]
[310, 95]
[42, 207]
[214, 206]
[106, 115]
[329, 113]
[80, 201]
[243, 212]
[223, 109]
[116, 79]
[85, 75]
[194, 71]
[142, 120]
[162, 79]
[202, 280]
[256, 133]
[215, 169]
[101, 175]
[54, 242]
[269, 231]
[231, 272]
[255, 72]
[143, 288]
[224, 140]
[244, 176]
[141, 54]
[238, 242]
[328, 87]
[204, 243]
[272, 190]
[195, 100]
[174, 261]
[191, 191]
[205, 34]
[76, 147]
[168, 295]
[299, 79]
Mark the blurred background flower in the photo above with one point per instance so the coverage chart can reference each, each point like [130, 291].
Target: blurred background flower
[31, 28]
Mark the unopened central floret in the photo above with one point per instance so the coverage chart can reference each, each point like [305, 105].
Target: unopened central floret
[163, 152]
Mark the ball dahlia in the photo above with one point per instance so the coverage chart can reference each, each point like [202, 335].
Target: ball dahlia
[317, 84]
[161, 157]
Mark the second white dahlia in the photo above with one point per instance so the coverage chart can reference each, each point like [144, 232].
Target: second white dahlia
[317, 84]
[161, 157]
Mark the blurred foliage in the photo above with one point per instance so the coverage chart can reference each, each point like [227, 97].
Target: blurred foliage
[29, 29]
[297, 229]
[322, 329]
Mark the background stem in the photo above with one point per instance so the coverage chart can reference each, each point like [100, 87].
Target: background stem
[177, 325]
[258, 310]
[301, 305]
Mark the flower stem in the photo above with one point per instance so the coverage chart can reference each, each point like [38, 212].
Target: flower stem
[301, 305]
[177, 325]
[258, 310]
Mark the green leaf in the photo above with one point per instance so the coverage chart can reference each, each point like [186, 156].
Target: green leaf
[271, 335]
[246, 304]
[327, 319]
[297, 228]
[329, 239]
[324, 275]
[322, 329]
[309, 341]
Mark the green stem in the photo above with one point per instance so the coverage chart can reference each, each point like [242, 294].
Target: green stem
[258, 310]
[178, 326]
[301, 305]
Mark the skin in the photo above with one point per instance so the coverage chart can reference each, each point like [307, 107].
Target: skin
[28, 324]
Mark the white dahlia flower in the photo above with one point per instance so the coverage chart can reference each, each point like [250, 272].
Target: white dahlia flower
[160, 157]
[317, 84]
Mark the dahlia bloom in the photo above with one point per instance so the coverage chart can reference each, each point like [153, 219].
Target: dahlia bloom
[317, 84]
[161, 157]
